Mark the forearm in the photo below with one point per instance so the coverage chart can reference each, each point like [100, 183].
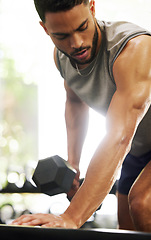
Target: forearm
[77, 117]
[100, 177]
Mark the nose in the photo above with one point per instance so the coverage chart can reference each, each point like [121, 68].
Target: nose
[76, 41]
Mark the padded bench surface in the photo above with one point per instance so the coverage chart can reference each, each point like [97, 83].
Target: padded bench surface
[18, 232]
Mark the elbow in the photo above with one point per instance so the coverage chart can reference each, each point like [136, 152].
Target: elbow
[123, 139]
[126, 141]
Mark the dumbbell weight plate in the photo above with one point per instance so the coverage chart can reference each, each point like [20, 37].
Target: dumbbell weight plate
[54, 175]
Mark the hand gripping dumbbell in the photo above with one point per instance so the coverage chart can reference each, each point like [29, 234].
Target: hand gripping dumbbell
[54, 175]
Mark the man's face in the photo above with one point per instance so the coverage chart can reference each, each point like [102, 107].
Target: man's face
[74, 32]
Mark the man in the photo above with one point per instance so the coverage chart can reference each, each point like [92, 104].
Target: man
[106, 66]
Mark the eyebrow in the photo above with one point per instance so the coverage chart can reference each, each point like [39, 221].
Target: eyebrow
[66, 34]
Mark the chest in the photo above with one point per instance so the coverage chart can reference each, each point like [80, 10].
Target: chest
[95, 89]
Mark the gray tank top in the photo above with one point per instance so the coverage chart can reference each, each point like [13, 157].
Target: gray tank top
[96, 88]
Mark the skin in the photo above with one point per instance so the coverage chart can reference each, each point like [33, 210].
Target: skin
[123, 210]
[139, 201]
[129, 104]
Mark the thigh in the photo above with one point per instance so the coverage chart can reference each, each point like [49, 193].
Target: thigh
[142, 184]
[131, 169]
[140, 200]
[135, 175]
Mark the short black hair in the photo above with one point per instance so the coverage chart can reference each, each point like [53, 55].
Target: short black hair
[43, 6]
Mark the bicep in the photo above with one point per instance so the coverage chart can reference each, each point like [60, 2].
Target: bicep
[133, 96]
[124, 115]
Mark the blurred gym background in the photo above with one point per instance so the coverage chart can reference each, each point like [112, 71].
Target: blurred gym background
[32, 99]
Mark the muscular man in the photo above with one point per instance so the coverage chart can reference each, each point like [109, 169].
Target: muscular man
[106, 66]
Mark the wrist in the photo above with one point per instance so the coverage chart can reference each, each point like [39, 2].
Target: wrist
[68, 221]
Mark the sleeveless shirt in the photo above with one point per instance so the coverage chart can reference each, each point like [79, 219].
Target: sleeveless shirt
[96, 88]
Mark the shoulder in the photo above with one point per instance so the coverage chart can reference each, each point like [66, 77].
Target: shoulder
[58, 62]
[117, 33]
[135, 60]
[139, 46]
[132, 71]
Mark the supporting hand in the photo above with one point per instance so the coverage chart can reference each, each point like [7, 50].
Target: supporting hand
[45, 220]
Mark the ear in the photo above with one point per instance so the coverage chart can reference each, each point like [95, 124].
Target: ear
[43, 25]
[92, 7]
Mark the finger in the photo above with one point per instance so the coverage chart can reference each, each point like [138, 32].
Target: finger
[75, 184]
[39, 219]
[35, 222]
[18, 219]
[21, 218]
[77, 176]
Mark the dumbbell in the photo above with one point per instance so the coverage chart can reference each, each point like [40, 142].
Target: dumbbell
[54, 175]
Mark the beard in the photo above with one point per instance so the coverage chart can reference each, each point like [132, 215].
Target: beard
[93, 51]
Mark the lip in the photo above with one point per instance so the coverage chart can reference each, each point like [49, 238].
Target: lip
[81, 55]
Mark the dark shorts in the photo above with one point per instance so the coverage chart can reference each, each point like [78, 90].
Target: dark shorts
[131, 168]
